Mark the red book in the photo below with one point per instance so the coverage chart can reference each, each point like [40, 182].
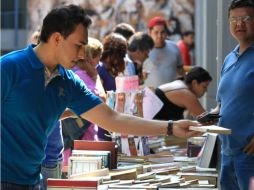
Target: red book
[72, 183]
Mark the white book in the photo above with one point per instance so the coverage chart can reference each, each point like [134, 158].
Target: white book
[84, 164]
[211, 129]
[94, 153]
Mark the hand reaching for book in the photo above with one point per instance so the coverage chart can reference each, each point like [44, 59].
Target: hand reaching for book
[181, 128]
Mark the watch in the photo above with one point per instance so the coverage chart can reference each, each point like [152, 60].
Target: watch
[170, 127]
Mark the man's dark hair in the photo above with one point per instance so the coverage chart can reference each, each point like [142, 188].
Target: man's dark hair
[197, 73]
[124, 29]
[63, 20]
[140, 41]
[240, 3]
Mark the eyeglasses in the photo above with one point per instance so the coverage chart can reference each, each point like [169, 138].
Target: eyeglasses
[244, 19]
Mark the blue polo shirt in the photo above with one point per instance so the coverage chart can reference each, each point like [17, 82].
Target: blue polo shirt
[236, 96]
[54, 148]
[30, 110]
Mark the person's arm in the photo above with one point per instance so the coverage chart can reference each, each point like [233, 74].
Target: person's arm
[113, 121]
[185, 98]
[192, 104]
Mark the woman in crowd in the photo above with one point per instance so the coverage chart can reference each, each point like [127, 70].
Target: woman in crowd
[111, 65]
[112, 60]
[179, 95]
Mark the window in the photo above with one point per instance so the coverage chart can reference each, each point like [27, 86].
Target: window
[13, 11]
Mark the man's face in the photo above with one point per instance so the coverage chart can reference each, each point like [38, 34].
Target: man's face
[242, 24]
[159, 35]
[139, 56]
[142, 56]
[71, 49]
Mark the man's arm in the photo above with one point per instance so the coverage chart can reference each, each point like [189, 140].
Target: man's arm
[127, 124]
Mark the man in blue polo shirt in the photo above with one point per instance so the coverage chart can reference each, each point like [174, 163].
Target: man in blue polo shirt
[36, 88]
[236, 98]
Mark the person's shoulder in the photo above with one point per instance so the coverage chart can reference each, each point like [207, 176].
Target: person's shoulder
[12, 56]
[100, 68]
[173, 86]
[171, 43]
[13, 59]
[83, 75]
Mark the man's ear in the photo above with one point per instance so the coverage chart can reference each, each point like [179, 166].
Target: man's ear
[56, 38]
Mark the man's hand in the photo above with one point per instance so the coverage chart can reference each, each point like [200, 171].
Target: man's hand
[181, 128]
[249, 149]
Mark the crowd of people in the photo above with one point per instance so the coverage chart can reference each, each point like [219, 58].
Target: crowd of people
[53, 92]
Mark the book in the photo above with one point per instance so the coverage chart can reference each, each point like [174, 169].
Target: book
[211, 177]
[69, 184]
[208, 154]
[127, 83]
[148, 175]
[138, 167]
[94, 153]
[132, 146]
[96, 174]
[99, 145]
[211, 129]
[131, 159]
[151, 103]
[83, 164]
[124, 175]
[134, 187]
[166, 171]
[160, 158]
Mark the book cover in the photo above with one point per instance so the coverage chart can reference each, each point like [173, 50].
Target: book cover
[99, 145]
[208, 153]
[69, 184]
[83, 164]
[211, 129]
[94, 153]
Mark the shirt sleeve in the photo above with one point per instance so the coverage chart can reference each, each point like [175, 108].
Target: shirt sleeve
[82, 99]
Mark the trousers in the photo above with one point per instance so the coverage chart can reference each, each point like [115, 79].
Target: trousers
[236, 171]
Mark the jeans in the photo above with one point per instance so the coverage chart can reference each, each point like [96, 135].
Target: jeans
[13, 186]
[236, 171]
[50, 172]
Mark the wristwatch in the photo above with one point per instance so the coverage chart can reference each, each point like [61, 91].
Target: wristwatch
[170, 127]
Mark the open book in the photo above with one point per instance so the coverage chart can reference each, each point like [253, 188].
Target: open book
[211, 129]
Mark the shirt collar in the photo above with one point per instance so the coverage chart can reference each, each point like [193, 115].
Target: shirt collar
[50, 76]
[33, 58]
[236, 49]
[37, 64]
